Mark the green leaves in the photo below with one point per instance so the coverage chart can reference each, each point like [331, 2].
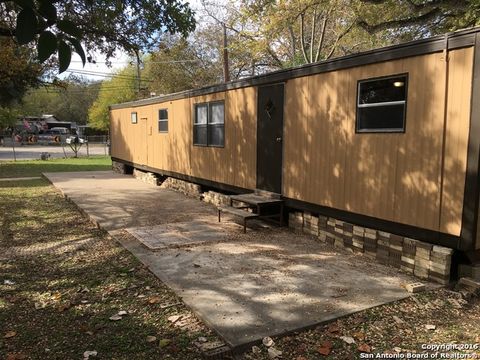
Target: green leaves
[47, 10]
[64, 55]
[47, 45]
[69, 28]
[26, 26]
[78, 49]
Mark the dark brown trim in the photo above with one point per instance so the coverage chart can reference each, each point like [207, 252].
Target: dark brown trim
[414, 232]
[192, 179]
[471, 194]
[456, 40]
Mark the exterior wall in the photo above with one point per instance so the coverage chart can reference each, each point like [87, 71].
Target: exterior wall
[398, 176]
[415, 178]
[234, 164]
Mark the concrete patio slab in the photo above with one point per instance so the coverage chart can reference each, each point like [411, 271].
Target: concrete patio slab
[245, 286]
[178, 234]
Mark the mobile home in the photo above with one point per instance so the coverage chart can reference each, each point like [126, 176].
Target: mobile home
[387, 139]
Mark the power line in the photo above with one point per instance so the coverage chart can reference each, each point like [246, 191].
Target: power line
[107, 75]
[150, 62]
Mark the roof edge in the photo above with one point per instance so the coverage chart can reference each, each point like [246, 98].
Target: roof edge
[450, 41]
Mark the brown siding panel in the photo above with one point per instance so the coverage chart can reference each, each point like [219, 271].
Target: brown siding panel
[458, 120]
[395, 177]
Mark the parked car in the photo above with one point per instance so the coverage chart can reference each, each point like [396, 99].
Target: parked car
[54, 135]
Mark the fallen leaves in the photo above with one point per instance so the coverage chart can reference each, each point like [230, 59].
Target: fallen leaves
[87, 354]
[16, 356]
[154, 300]
[364, 348]
[348, 339]
[118, 316]
[64, 306]
[151, 339]
[325, 348]
[164, 343]
[268, 341]
[10, 334]
[274, 353]
[359, 335]
[430, 327]
[333, 328]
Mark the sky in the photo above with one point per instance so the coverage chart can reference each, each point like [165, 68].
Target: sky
[76, 67]
[120, 60]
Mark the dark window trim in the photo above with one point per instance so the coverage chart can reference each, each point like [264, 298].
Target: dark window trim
[136, 117]
[208, 104]
[382, 131]
[162, 120]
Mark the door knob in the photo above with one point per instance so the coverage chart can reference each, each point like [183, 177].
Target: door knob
[279, 139]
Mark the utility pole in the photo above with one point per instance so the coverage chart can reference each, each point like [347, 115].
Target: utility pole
[226, 71]
[138, 71]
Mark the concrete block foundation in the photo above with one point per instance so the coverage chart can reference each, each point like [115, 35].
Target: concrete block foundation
[425, 261]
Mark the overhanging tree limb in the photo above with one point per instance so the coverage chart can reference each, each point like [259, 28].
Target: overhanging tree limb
[414, 20]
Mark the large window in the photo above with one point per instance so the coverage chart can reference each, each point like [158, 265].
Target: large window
[133, 117]
[163, 120]
[209, 124]
[381, 104]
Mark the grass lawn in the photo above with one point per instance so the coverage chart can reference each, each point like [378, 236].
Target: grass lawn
[62, 279]
[27, 168]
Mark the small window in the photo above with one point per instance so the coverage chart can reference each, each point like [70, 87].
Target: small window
[200, 125]
[216, 125]
[381, 104]
[133, 117]
[163, 120]
[209, 124]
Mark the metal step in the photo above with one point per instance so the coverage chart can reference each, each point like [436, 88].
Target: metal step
[267, 194]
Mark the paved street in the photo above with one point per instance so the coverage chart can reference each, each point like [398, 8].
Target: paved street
[32, 152]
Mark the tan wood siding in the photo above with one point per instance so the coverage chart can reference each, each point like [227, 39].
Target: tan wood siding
[395, 177]
[456, 136]
[234, 164]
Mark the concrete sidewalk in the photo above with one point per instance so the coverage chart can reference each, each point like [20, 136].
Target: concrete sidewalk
[245, 286]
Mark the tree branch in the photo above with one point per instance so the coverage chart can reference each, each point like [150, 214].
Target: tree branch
[302, 40]
[312, 36]
[339, 37]
[322, 37]
[416, 20]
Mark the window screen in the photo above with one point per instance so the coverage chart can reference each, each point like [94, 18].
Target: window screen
[209, 124]
[200, 125]
[163, 120]
[381, 104]
[216, 125]
[133, 117]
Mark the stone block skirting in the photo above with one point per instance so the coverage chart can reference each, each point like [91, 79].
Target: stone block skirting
[146, 177]
[185, 187]
[216, 198]
[119, 167]
[423, 260]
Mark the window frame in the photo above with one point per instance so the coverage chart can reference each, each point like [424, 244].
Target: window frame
[359, 106]
[136, 117]
[209, 105]
[162, 120]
